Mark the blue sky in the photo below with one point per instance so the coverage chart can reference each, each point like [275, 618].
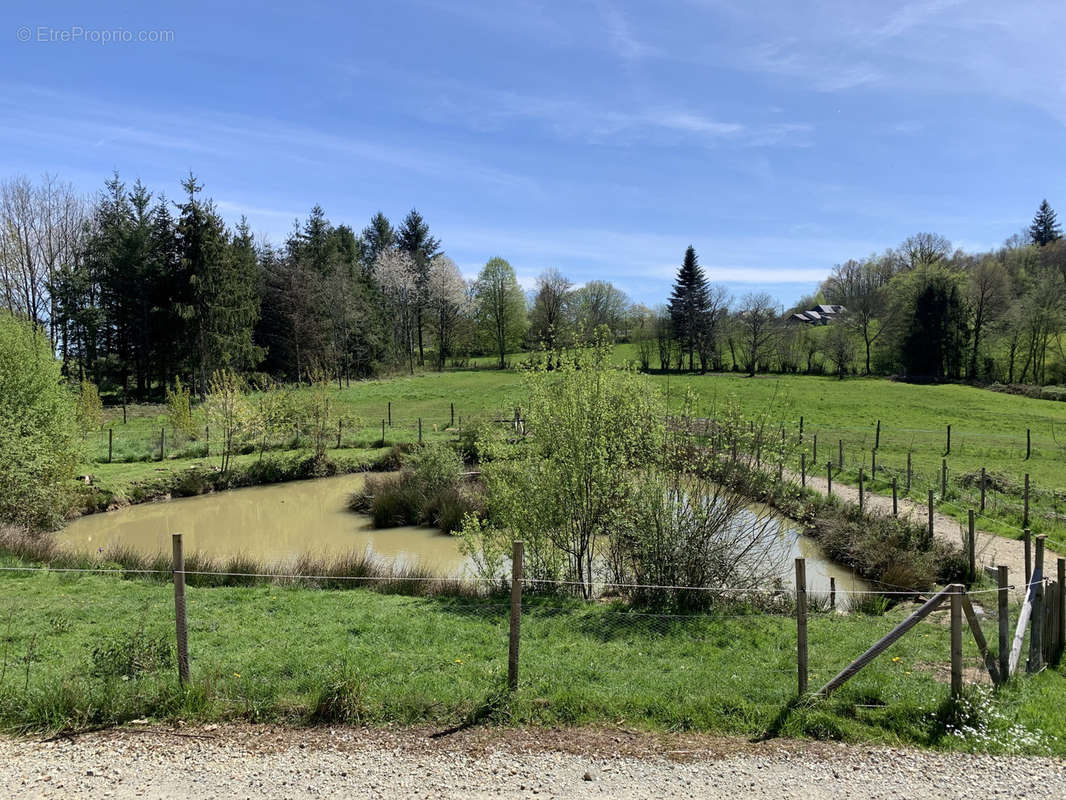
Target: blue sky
[598, 137]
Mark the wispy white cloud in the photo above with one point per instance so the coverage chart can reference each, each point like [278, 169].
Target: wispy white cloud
[593, 123]
[980, 47]
[620, 33]
[76, 121]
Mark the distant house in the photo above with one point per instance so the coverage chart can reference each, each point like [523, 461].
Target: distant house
[819, 315]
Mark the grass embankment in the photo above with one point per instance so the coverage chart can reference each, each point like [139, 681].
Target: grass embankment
[95, 650]
[136, 472]
[988, 430]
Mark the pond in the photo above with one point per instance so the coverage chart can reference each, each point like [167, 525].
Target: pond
[278, 523]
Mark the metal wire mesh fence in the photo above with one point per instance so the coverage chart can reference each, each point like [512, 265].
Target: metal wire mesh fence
[88, 647]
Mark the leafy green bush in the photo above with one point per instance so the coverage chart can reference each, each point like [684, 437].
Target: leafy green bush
[90, 407]
[39, 433]
[427, 491]
[179, 409]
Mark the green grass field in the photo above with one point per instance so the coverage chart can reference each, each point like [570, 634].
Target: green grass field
[988, 430]
[95, 649]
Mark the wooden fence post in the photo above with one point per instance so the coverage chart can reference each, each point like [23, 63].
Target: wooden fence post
[1004, 622]
[803, 469]
[390, 417]
[971, 549]
[947, 452]
[895, 497]
[832, 592]
[181, 628]
[801, 428]
[877, 436]
[979, 640]
[1036, 632]
[829, 478]
[884, 642]
[340, 425]
[1024, 616]
[840, 453]
[382, 433]
[861, 492]
[123, 408]
[1025, 511]
[1027, 536]
[873, 463]
[110, 443]
[801, 624]
[517, 552]
[956, 641]
[1028, 444]
[420, 430]
[1060, 622]
[982, 490]
[930, 515]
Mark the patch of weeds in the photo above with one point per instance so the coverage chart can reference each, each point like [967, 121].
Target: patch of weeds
[129, 655]
[340, 699]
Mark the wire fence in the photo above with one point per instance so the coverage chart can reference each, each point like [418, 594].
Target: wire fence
[363, 656]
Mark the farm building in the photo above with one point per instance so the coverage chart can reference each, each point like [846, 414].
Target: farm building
[819, 315]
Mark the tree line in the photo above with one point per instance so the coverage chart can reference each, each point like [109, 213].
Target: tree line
[922, 310]
[136, 291]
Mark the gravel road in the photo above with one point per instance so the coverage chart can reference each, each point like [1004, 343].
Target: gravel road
[263, 762]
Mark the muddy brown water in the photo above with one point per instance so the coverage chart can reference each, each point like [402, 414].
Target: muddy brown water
[278, 523]
[273, 524]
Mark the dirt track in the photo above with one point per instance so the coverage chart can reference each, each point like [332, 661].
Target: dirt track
[992, 550]
[262, 762]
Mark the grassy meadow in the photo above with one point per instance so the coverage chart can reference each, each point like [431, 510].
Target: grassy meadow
[96, 649]
[988, 430]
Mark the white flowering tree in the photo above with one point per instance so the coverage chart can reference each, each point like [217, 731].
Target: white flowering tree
[447, 301]
[397, 275]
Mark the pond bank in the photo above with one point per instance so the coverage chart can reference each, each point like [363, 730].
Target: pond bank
[94, 495]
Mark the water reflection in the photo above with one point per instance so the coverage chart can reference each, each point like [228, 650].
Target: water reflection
[278, 523]
[273, 524]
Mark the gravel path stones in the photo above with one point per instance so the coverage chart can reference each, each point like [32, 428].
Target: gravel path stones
[267, 762]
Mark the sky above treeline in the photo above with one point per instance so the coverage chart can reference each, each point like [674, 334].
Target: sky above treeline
[599, 138]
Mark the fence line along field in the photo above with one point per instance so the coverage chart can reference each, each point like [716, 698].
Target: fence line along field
[876, 424]
[73, 658]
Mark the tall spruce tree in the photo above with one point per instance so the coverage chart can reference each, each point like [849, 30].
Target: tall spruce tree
[224, 280]
[413, 238]
[688, 305]
[1045, 228]
[376, 238]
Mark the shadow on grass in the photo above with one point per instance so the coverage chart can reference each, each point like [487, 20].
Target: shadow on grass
[494, 708]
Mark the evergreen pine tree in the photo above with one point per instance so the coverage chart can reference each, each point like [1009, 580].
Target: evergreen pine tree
[224, 280]
[1045, 228]
[376, 238]
[171, 300]
[689, 305]
[413, 238]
